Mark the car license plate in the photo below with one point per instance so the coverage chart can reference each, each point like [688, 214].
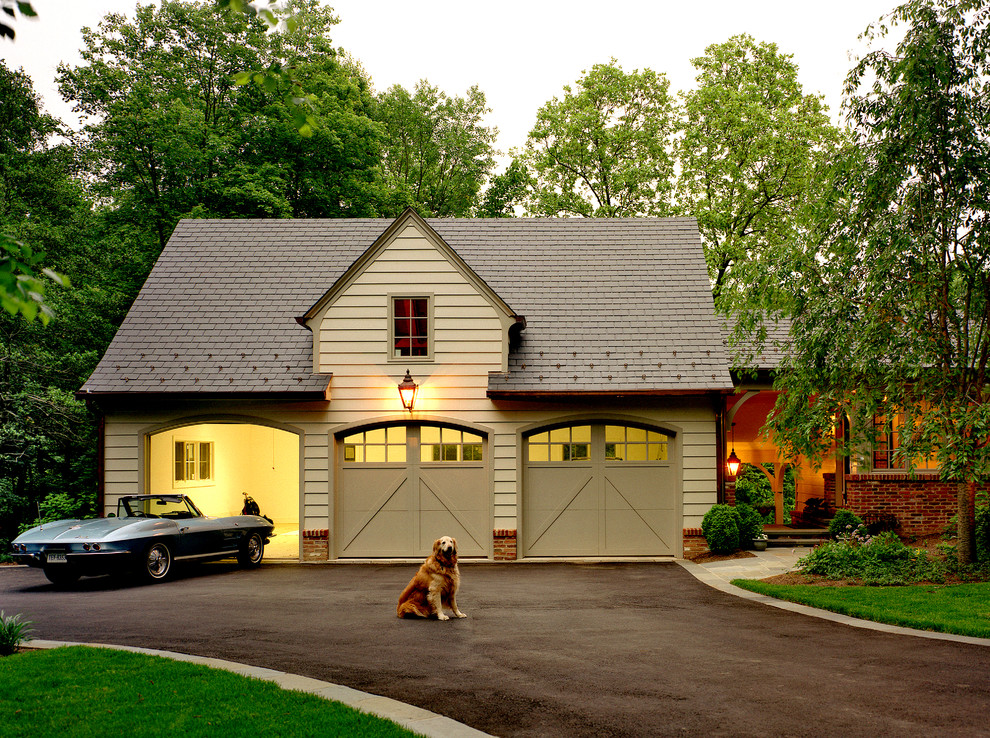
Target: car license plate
[55, 558]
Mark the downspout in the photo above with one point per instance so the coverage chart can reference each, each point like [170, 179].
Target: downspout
[719, 409]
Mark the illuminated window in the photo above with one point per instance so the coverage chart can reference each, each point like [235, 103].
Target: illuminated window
[887, 440]
[449, 444]
[626, 443]
[378, 446]
[193, 461]
[561, 444]
[410, 323]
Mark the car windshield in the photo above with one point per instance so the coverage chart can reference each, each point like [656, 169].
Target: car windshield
[165, 506]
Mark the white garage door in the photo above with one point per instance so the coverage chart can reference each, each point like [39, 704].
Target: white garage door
[600, 490]
[401, 487]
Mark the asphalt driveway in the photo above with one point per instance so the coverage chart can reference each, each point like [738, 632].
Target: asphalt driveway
[546, 650]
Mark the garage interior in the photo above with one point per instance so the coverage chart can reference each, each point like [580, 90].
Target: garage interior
[216, 464]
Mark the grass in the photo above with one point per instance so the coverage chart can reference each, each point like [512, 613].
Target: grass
[80, 691]
[963, 609]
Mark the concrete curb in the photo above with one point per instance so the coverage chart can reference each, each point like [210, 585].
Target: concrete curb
[713, 580]
[410, 717]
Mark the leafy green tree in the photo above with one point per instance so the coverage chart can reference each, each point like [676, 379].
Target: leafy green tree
[505, 191]
[604, 150]
[892, 310]
[746, 158]
[437, 151]
[172, 134]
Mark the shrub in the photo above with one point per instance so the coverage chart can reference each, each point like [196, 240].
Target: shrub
[983, 534]
[883, 560]
[750, 524]
[720, 527]
[13, 632]
[844, 523]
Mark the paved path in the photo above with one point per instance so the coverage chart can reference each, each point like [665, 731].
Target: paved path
[548, 650]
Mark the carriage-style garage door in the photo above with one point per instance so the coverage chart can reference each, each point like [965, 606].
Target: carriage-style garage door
[600, 490]
[400, 487]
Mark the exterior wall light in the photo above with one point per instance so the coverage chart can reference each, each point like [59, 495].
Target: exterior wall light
[732, 464]
[407, 391]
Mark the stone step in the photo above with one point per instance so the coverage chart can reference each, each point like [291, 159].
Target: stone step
[792, 542]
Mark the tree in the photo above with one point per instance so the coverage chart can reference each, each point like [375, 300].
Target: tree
[746, 156]
[892, 310]
[505, 191]
[437, 151]
[604, 150]
[24, 130]
[172, 135]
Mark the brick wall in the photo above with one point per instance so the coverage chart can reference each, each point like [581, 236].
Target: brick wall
[922, 505]
[316, 545]
[730, 491]
[505, 544]
[694, 542]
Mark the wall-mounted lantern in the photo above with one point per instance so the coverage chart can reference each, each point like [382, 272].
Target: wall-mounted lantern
[407, 391]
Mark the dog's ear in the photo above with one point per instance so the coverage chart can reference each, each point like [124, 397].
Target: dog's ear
[454, 540]
[436, 547]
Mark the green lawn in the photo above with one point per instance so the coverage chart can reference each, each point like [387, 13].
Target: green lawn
[963, 609]
[80, 691]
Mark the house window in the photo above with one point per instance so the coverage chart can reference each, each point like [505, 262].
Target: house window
[193, 461]
[378, 446]
[410, 324]
[449, 444]
[886, 441]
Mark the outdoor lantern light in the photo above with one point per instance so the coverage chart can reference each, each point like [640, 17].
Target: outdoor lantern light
[407, 391]
[732, 463]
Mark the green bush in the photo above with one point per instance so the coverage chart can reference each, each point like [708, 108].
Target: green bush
[750, 524]
[13, 632]
[720, 527]
[844, 523]
[884, 560]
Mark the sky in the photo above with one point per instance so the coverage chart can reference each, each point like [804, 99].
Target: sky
[520, 53]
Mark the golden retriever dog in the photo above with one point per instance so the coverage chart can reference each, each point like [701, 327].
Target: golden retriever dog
[434, 585]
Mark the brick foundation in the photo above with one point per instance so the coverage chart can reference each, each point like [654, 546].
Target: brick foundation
[694, 542]
[505, 544]
[922, 505]
[316, 545]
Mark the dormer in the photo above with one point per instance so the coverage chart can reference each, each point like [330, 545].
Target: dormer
[410, 300]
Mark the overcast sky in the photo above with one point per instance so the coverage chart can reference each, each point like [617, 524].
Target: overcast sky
[519, 52]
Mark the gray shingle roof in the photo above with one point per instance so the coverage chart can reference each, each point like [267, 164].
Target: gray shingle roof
[617, 305]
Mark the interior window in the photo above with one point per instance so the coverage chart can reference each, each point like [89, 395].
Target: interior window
[193, 461]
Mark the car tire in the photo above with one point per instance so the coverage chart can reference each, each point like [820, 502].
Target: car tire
[252, 551]
[157, 562]
[61, 574]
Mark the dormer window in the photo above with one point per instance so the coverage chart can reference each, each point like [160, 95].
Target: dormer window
[410, 324]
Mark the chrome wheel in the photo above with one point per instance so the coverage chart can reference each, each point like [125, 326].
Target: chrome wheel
[252, 551]
[157, 562]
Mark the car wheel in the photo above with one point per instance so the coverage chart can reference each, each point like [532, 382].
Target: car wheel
[61, 574]
[157, 562]
[252, 551]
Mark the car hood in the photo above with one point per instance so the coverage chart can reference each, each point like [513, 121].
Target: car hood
[95, 529]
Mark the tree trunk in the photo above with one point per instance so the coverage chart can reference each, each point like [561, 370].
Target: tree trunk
[966, 526]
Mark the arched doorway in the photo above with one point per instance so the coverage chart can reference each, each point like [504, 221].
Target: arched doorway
[217, 463]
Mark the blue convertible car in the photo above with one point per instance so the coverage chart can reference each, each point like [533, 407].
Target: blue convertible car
[148, 534]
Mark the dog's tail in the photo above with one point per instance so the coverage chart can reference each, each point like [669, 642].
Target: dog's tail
[410, 609]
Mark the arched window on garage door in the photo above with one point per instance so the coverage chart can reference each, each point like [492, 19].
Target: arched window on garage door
[400, 487]
[600, 489]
